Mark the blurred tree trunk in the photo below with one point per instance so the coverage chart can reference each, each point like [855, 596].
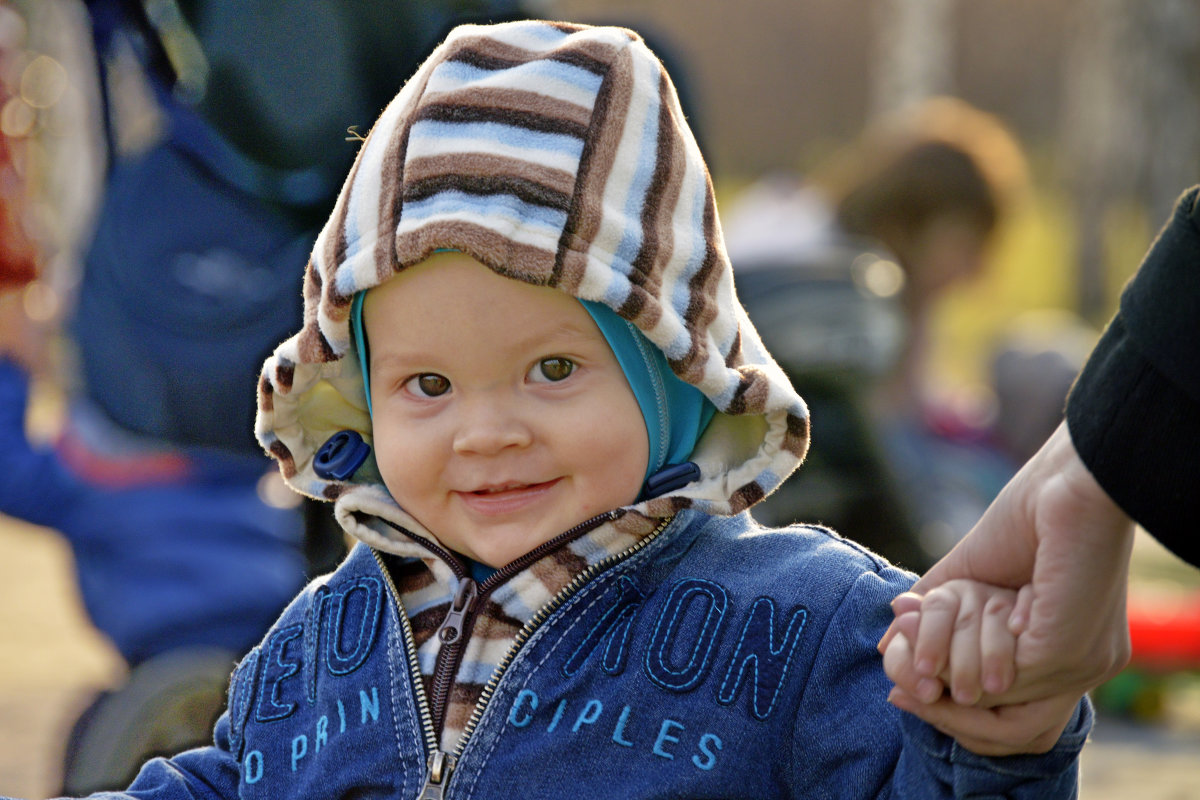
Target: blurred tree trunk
[1130, 121]
[1102, 131]
[1171, 37]
[914, 47]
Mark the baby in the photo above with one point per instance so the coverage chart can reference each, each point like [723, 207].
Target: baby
[526, 383]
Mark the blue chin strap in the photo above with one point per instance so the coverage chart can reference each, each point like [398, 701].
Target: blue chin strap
[360, 343]
[675, 412]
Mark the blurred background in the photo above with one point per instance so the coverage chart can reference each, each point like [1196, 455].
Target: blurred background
[117, 114]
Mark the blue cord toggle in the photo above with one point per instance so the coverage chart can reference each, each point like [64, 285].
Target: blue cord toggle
[340, 456]
[670, 478]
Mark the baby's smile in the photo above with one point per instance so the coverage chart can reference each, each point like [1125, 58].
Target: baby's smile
[504, 419]
[507, 499]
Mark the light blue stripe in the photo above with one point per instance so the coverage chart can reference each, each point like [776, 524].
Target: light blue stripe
[678, 346]
[476, 671]
[454, 74]
[647, 156]
[696, 247]
[617, 291]
[413, 608]
[509, 207]
[492, 132]
[540, 30]
[345, 282]
[352, 233]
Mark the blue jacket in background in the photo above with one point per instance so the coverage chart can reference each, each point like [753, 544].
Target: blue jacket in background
[195, 560]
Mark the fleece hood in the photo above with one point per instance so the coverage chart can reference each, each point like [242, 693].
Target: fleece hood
[555, 154]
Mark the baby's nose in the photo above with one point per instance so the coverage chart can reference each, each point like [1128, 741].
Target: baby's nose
[490, 426]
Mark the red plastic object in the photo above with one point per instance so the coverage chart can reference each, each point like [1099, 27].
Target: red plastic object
[1164, 629]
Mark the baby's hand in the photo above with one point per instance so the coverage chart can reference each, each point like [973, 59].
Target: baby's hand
[957, 636]
[964, 635]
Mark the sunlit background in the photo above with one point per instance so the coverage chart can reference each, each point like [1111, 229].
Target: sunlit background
[1103, 95]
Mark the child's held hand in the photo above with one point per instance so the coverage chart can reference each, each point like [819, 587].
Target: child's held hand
[962, 637]
[959, 636]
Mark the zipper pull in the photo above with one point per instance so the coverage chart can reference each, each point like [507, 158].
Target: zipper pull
[440, 766]
[452, 628]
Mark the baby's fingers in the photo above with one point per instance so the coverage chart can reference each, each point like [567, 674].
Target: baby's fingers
[966, 650]
[902, 605]
[997, 645]
[939, 616]
[898, 664]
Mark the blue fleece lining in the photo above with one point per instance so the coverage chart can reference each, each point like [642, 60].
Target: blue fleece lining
[360, 343]
[675, 412]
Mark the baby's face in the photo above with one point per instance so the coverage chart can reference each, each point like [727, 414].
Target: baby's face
[501, 417]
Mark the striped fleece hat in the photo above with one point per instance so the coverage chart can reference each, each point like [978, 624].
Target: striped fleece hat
[555, 154]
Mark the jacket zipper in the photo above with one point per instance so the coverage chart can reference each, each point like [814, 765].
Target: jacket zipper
[455, 630]
[414, 668]
[536, 621]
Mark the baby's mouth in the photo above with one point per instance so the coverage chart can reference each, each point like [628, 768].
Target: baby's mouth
[510, 488]
[505, 497]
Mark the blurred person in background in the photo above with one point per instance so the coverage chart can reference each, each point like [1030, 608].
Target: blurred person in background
[867, 245]
[225, 141]
[1034, 360]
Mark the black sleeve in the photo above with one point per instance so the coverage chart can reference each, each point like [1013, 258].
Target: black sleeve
[1134, 412]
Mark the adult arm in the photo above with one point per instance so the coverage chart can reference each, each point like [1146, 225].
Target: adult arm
[1134, 413]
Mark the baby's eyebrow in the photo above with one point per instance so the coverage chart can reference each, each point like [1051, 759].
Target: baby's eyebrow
[565, 332]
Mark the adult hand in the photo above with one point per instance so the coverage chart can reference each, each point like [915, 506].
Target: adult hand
[1054, 530]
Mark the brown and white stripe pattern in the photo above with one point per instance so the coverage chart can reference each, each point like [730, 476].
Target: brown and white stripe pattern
[556, 154]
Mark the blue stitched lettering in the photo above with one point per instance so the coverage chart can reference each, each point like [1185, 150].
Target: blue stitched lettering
[360, 601]
[370, 706]
[664, 736]
[313, 742]
[668, 630]
[299, 749]
[710, 758]
[277, 669]
[619, 731]
[558, 712]
[590, 713]
[322, 732]
[253, 766]
[758, 656]
[522, 696]
[705, 750]
[241, 696]
[613, 625]
[312, 640]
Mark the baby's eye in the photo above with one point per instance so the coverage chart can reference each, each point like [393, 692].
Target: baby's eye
[552, 370]
[428, 384]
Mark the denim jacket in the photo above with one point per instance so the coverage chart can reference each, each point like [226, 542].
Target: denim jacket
[719, 659]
